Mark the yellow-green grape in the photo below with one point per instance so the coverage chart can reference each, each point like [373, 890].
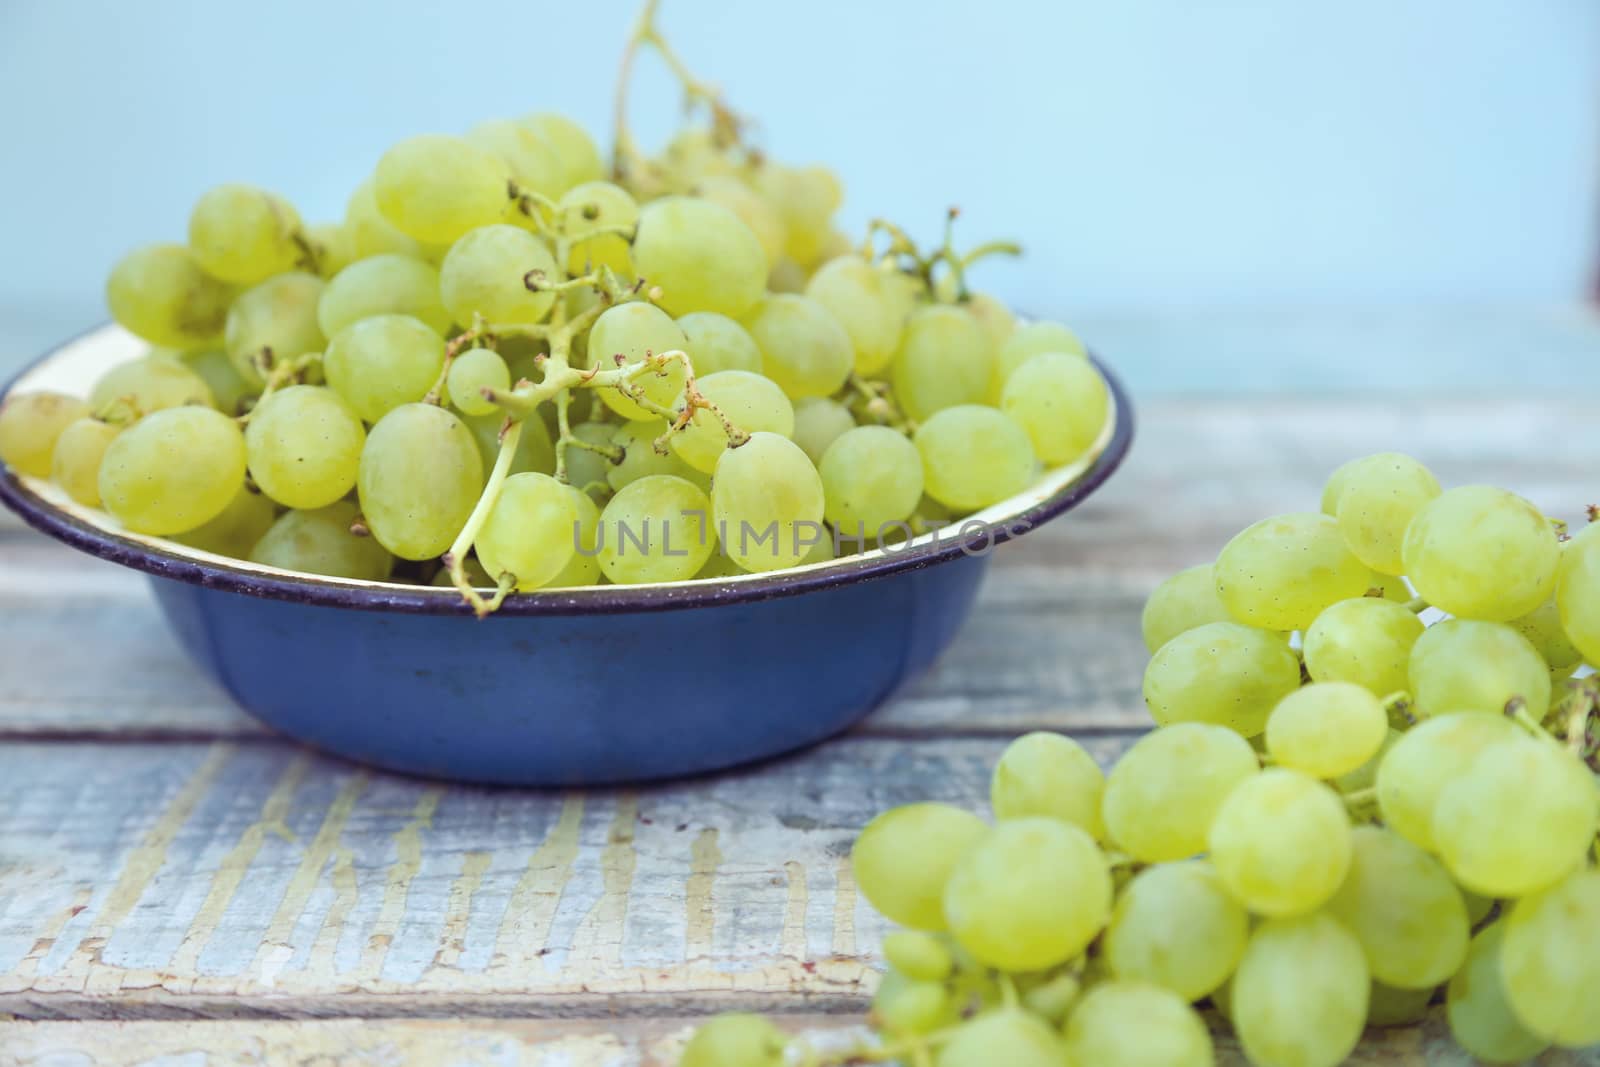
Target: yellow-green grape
[1364, 640]
[1009, 1036]
[1479, 552]
[384, 284]
[1543, 630]
[592, 206]
[974, 456]
[920, 956]
[1520, 816]
[1462, 665]
[470, 374]
[273, 322]
[871, 305]
[767, 499]
[1054, 997]
[1326, 729]
[656, 529]
[30, 425]
[902, 1005]
[235, 531]
[1333, 488]
[530, 161]
[1281, 843]
[173, 470]
[370, 233]
[1427, 757]
[1378, 497]
[579, 158]
[1578, 597]
[534, 450]
[1051, 775]
[1026, 341]
[756, 213]
[1179, 604]
[718, 343]
[1061, 401]
[484, 274]
[435, 188]
[584, 566]
[943, 361]
[632, 332]
[334, 247]
[320, 542]
[304, 446]
[585, 466]
[641, 458]
[1481, 1018]
[819, 421]
[701, 255]
[904, 856]
[382, 362]
[1299, 998]
[753, 403]
[1280, 573]
[160, 293]
[530, 532]
[735, 1040]
[244, 235]
[871, 477]
[1550, 960]
[150, 383]
[75, 462]
[1403, 909]
[786, 276]
[995, 318]
[803, 347]
[420, 476]
[1223, 673]
[1162, 795]
[1176, 926]
[228, 387]
[1134, 1024]
[1030, 894]
[1389, 1005]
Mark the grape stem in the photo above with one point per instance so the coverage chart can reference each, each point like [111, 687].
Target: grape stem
[456, 557]
[1359, 798]
[1517, 711]
[1417, 605]
[277, 376]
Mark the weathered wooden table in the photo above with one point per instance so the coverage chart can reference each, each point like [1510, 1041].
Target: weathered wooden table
[178, 886]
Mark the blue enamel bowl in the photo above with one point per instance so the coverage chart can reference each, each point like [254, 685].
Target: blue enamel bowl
[573, 687]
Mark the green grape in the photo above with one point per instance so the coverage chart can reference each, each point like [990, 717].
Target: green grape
[592, 206]
[30, 426]
[530, 531]
[1051, 775]
[871, 477]
[1481, 1018]
[1578, 597]
[534, 450]
[1281, 843]
[995, 318]
[420, 476]
[173, 470]
[1176, 926]
[471, 373]
[701, 255]
[382, 362]
[1327, 729]
[1333, 488]
[435, 188]
[320, 542]
[584, 566]
[228, 387]
[655, 530]
[484, 271]
[1026, 341]
[304, 445]
[818, 422]
[160, 293]
[1054, 998]
[641, 458]
[805, 199]
[903, 859]
[1163, 793]
[580, 159]
[1389, 1005]
[1481, 553]
[628, 333]
[919, 956]
[75, 461]
[383, 284]
[1543, 630]
[585, 467]
[1029, 894]
[751, 402]
[1061, 401]
[753, 211]
[531, 162]
[1179, 604]
[1462, 665]
[974, 456]
[718, 343]
[1403, 908]
[274, 321]
[1223, 673]
[904, 1006]
[1550, 961]
[1281, 572]
[803, 347]
[1132, 1024]
[1364, 640]
[1520, 816]
[1010, 1036]
[943, 361]
[735, 1041]
[1299, 998]
[1378, 498]
[869, 303]
[334, 247]
[767, 500]
[370, 233]
[235, 531]
[244, 235]
[1427, 758]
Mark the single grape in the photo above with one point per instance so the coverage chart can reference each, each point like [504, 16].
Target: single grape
[1378, 498]
[818, 422]
[701, 255]
[1334, 486]
[1550, 961]
[805, 198]
[435, 188]
[579, 158]
[1481, 553]
[333, 246]
[1363, 640]
[1223, 673]
[656, 529]
[1578, 598]
[641, 458]
[30, 426]
[173, 470]
[803, 347]
[1026, 341]
[753, 403]
[871, 305]
[161, 293]
[1326, 729]
[905, 1006]
[484, 274]
[768, 501]
[1424, 760]
[1008, 1036]
[919, 956]
[763, 220]
[1062, 402]
[530, 160]
[371, 234]
[244, 235]
[1280, 573]
[718, 343]
[530, 531]
[152, 382]
[304, 446]
[471, 373]
[386, 284]
[1389, 1005]
[974, 456]
[1179, 604]
[1281, 843]
[228, 387]
[237, 528]
[320, 542]
[1051, 775]
[1176, 926]
[1463, 665]
[383, 362]
[1163, 794]
[943, 361]
[1481, 1018]
[584, 566]
[871, 477]
[903, 859]
[274, 321]
[735, 1041]
[593, 206]
[628, 333]
[1299, 998]
[419, 478]
[534, 450]
[75, 461]
[1134, 1024]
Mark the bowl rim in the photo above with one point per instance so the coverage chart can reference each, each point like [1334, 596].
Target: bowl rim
[196, 567]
